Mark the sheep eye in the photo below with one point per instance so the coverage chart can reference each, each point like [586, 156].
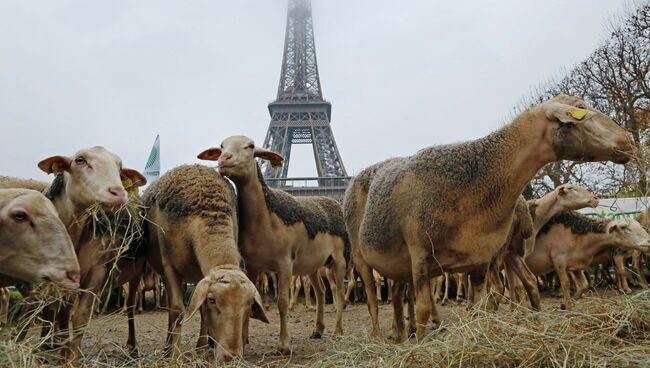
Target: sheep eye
[250, 146]
[20, 216]
[80, 161]
[212, 301]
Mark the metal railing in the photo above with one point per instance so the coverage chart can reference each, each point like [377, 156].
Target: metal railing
[307, 182]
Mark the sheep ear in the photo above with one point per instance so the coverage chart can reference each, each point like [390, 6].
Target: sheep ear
[257, 311]
[55, 164]
[275, 158]
[199, 296]
[211, 154]
[556, 111]
[137, 179]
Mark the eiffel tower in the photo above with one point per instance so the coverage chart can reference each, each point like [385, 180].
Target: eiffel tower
[300, 115]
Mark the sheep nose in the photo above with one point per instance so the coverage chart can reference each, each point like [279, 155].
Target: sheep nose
[118, 194]
[74, 276]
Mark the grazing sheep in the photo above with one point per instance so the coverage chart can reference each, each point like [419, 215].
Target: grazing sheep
[193, 237]
[570, 240]
[34, 244]
[284, 234]
[450, 208]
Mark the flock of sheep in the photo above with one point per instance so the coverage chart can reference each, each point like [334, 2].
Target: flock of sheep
[446, 209]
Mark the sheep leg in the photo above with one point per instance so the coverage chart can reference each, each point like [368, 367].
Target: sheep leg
[131, 342]
[621, 274]
[461, 292]
[528, 278]
[389, 287]
[294, 290]
[284, 280]
[140, 296]
[398, 333]
[496, 287]
[4, 305]
[445, 297]
[307, 288]
[157, 292]
[638, 271]
[424, 307]
[175, 306]
[581, 284]
[565, 285]
[368, 283]
[411, 308]
[477, 286]
[437, 288]
[349, 287]
[378, 281]
[317, 284]
[83, 311]
[336, 284]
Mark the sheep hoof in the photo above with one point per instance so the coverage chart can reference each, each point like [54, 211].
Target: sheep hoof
[284, 350]
[316, 335]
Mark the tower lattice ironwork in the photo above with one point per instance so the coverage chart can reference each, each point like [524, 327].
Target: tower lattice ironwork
[300, 115]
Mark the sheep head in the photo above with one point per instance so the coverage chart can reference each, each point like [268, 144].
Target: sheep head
[93, 175]
[581, 133]
[229, 299]
[236, 157]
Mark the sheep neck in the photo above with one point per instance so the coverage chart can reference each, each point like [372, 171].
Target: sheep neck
[519, 150]
[68, 215]
[546, 208]
[253, 209]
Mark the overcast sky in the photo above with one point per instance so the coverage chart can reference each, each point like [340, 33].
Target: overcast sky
[401, 75]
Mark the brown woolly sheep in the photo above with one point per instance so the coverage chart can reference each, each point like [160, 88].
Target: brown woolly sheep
[193, 237]
[13, 182]
[569, 241]
[450, 208]
[284, 234]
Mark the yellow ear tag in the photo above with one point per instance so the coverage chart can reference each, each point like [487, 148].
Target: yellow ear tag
[131, 189]
[55, 168]
[578, 113]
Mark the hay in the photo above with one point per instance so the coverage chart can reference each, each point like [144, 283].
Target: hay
[598, 332]
[121, 233]
[612, 331]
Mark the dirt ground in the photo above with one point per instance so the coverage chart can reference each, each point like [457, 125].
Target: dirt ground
[107, 335]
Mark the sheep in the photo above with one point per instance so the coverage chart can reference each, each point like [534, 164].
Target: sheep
[92, 178]
[13, 182]
[569, 241]
[617, 257]
[281, 233]
[450, 208]
[193, 237]
[563, 198]
[34, 244]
